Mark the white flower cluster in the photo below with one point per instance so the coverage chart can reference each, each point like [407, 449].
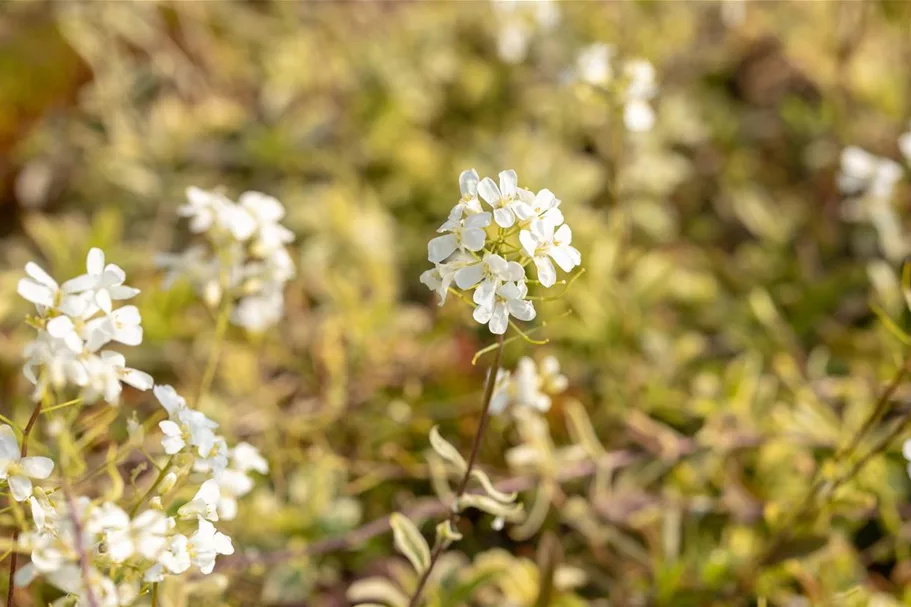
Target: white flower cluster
[530, 385]
[75, 321]
[246, 255]
[126, 551]
[518, 21]
[488, 251]
[633, 81]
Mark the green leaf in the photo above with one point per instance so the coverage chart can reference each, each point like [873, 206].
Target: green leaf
[410, 542]
[445, 450]
[493, 492]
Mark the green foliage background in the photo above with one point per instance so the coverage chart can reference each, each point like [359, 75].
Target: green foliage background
[721, 339]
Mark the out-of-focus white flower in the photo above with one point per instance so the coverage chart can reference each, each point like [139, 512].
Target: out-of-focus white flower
[904, 146]
[518, 22]
[862, 172]
[593, 64]
[637, 113]
[530, 386]
[145, 535]
[543, 244]
[204, 504]
[216, 461]
[19, 471]
[206, 544]
[260, 311]
[509, 300]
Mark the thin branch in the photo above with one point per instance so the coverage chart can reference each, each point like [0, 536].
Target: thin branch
[80, 549]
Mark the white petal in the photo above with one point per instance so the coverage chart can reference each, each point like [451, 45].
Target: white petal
[529, 243]
[485, 293]
[473, 239]
[547, 274]
[60, 327]
[35, 293]
[469, 276]
[521, 309]
[37, 467]
[478, 220]
[20, 487]
[514, 272]
[489, 191]
[508, 183]
[138, 379]
[441, 247]
[40, 276]
[563, 258]
[499, 320]
[482, 314]
[505, 218]
[94, 261]
[81, 283]
[496, 264]
[468, 183]
[9, 445]
[564, 235]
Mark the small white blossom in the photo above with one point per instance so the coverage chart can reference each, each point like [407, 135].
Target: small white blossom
[463, 234]
[593, 64]
[545, 246]
[862, 172]
[503, 198]
[19, 471]
[509, 300]
[488, 274]
[104, 282]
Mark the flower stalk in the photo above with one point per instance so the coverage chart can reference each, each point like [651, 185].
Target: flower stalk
[472, 458]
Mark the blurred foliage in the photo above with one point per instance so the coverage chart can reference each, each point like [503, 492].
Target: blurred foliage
[721, 340]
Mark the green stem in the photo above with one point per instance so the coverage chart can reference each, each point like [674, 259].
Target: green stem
[221, 328]
[158, 479]
[472, 458]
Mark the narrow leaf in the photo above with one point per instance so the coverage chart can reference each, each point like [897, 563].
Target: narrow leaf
[489, 489]
[376, 589]
[410, 542]
[489, 505]
[445, 450]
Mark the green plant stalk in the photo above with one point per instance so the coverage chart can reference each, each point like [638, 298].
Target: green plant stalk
[472, 458]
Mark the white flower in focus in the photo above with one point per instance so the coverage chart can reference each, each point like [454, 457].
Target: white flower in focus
[169, 399]
[104, 282]
[593, 64]
[43, 291]
[543, 244]
[18, 471]
[488, 274]
[215, 463]
[467, 233]
[441, 277]
[543, 206]
[509, 300]
[503, 198]
[468, 203]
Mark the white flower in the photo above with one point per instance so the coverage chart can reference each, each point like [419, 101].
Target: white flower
[502, 199]
[145, 535]
[105, 282]
[206, 544]
[904, 146]
[258, 312]
[18, 471]
[441, 277]
[509, 300]
[500, 398]
[862, 172]
[232, 485]
[246, 457]
[59, 363]
[188, 427]
[542, 244]
[205, 209]
[527, 386]
[169, 399]
[216, 461]
[115, 364]
[175, 559]
[204, 504]
[266, 212]
[543, 205]
[593, 64]
[490, 272]
[64, 329]
[467, 233]
[552, 380]
[123, 325]
[43, 291]
[468, 203]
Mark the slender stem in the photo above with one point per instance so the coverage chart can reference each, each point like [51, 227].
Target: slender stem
[154, 595]
[14, 557]
[880, 408]
[472, 458]
[158, 479]
[221, 327]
